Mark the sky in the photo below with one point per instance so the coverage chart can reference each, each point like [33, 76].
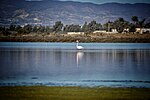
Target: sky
[108, 1]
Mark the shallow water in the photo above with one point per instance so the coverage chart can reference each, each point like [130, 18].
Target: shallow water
[61, 64]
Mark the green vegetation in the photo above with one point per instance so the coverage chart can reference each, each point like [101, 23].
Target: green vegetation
[72, 28]
[91, 27]
[57, 32]
[119, 24]
[72, 93]
[57, 27]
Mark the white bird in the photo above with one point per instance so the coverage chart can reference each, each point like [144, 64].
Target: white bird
[77, 45]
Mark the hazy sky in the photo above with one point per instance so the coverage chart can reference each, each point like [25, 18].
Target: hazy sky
[107, 1]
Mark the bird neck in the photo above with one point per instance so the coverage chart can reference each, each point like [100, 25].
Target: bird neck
[77, 44]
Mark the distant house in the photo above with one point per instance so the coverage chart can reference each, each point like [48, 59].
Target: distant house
[142, 30]
[114, 30]
[100, 31]
[138, 30]
[145, 30]
[104, 31]
[75, 33]
[126, 30]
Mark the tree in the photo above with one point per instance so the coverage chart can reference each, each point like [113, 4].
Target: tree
[6, 32]
[147, 25]
[21, 31]
[108, 26]
[85, 27]
[41, 29]
[72, 28]
[141, 23]
[48, 29]
[93, 26]
[58, 26]
[135, 19]
[18, 28]
[12, 27]
[35, 28]
[132, 28]
[66, 28]
[120, 24]
[2, 28]
[27, 28]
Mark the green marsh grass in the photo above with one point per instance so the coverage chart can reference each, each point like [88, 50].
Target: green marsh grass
[72, 93]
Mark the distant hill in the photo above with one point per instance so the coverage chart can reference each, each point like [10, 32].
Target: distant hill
[49, 11]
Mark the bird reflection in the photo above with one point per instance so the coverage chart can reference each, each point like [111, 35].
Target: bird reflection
[79, 56]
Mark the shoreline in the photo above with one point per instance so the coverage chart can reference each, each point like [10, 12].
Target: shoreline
[73, 93]
[95, 38]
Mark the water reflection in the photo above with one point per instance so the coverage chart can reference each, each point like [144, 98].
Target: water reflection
[79, 57]
[58, 64]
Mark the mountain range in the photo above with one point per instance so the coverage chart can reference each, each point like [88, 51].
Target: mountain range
[47, 12]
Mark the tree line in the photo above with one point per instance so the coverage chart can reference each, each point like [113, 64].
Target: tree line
[119, 24]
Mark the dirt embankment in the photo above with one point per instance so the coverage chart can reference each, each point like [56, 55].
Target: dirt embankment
[133, 38]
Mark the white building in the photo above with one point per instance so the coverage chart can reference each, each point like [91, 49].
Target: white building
[114, 30]
[75, 33]
[100, 31]
[104, 31]
[142, 30]
[145, 30]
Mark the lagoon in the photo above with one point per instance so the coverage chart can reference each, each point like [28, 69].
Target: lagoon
[61, 64]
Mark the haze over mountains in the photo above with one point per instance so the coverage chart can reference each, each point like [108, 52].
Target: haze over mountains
[47, 12]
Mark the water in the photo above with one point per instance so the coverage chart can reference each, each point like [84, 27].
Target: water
[61, 64]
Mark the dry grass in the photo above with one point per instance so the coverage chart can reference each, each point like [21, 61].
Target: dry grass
[133, 38]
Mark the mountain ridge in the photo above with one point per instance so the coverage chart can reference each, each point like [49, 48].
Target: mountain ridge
[47, 12]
